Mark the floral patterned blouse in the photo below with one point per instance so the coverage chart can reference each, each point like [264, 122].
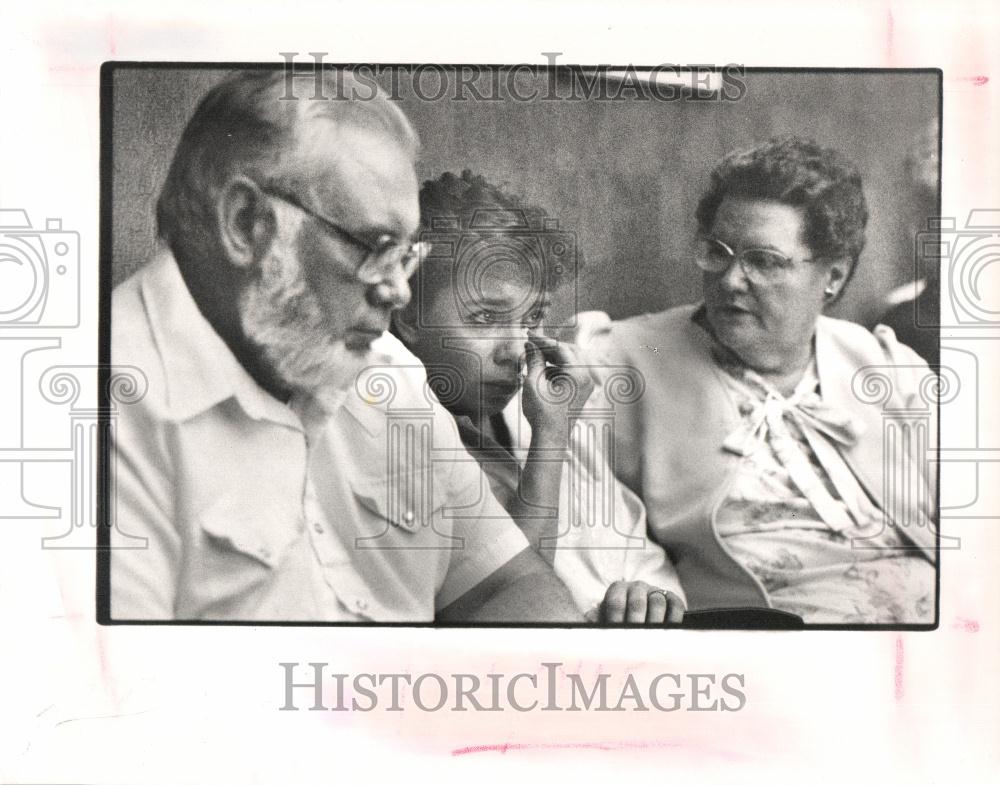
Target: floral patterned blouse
[798, 519]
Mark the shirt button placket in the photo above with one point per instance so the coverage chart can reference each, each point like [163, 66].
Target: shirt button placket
[313, 513]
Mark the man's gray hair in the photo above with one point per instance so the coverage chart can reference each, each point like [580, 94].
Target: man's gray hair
[248, 125]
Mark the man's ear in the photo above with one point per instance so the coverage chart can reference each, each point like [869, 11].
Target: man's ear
[836, 277]
[246, 221]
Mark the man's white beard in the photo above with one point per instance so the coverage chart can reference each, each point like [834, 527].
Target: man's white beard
[282, 316]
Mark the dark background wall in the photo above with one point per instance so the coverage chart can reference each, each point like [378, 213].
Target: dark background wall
[624, 175]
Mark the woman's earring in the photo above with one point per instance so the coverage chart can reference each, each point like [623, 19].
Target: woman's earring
[829, 291]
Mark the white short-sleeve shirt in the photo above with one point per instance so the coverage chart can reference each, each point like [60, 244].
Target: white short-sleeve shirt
[228, 504]
[602, 536]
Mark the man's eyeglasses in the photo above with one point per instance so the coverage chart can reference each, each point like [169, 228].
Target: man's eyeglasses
[375, 263]
[759, 265]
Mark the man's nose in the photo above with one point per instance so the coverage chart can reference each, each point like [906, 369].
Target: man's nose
[391, 292]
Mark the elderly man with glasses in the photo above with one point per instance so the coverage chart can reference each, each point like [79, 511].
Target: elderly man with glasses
[287, 462]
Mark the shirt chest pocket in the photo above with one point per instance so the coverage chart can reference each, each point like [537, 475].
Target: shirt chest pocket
[241, 544]
[400, 513]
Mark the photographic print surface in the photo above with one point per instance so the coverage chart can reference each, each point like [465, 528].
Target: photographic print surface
[427, 344]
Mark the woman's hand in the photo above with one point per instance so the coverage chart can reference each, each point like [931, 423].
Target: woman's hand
[636, 602]
[556, 387]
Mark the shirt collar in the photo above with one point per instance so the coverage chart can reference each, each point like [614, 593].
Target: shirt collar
[751, 382]
[199, 368]
[390, 367]
[806, 401]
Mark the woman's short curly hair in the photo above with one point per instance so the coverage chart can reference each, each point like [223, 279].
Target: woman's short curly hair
[462, 196]
[471, 204]
[800, 173]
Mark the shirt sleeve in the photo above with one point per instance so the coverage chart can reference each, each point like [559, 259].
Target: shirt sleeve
[145, 546]
[489, 536]
[644, 560]
[651, 564]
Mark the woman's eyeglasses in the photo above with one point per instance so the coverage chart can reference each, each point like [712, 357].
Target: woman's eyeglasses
[376, 263]
[759, 265]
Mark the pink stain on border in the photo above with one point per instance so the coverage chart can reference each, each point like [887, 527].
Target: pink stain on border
[604, 746]
[977, 81]
[112, 41]
[898, 673]
[889, 33]
[966, 625]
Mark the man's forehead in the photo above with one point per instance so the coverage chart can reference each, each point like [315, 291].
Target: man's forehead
[362, 177]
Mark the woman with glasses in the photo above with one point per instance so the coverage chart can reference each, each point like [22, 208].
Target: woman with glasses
[762, 446]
